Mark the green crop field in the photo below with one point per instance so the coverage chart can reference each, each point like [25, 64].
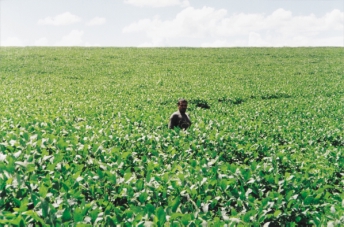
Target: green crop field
[84, 138]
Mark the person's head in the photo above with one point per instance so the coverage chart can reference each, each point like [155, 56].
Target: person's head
[182, 105]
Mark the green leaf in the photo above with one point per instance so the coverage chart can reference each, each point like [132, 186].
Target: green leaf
[94, 214]
[161, 215]
[223, 184]
[308, 200]
[186, 219]
[18, 221]
[143, 197]
[61, 144]
[100, 173]
[150, 209]
[35, 216]
[30, 168]
[23, 204]
[78, 214]
[248, 215]
[26, 136]
[277, 213]
[127, 176]
[175, 204]
[112, 178]
[66, 215]
[139, 185]
[43, 190]
[125, 155]
[45, 208]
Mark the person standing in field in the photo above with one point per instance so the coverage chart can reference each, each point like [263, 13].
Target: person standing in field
[180, 118]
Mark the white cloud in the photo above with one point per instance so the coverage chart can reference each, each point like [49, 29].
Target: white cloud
[297, 41]
[96, 21]
[42, 42]
[189, 22]
[74, 38]
[62, 19]
[255, 40]
[332, 41]
[154, 43]
[12, 41]
[158, 3]
[225, 43]
[92, 44]
[281, 28]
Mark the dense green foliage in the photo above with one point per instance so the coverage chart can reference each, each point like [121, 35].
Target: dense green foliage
[84, 138]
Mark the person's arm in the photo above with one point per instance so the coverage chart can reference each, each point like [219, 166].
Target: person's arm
[173, 122]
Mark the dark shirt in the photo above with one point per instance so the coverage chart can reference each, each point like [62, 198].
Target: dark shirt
[181, 120]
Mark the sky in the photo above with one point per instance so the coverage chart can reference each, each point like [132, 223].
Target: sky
[172, 23]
